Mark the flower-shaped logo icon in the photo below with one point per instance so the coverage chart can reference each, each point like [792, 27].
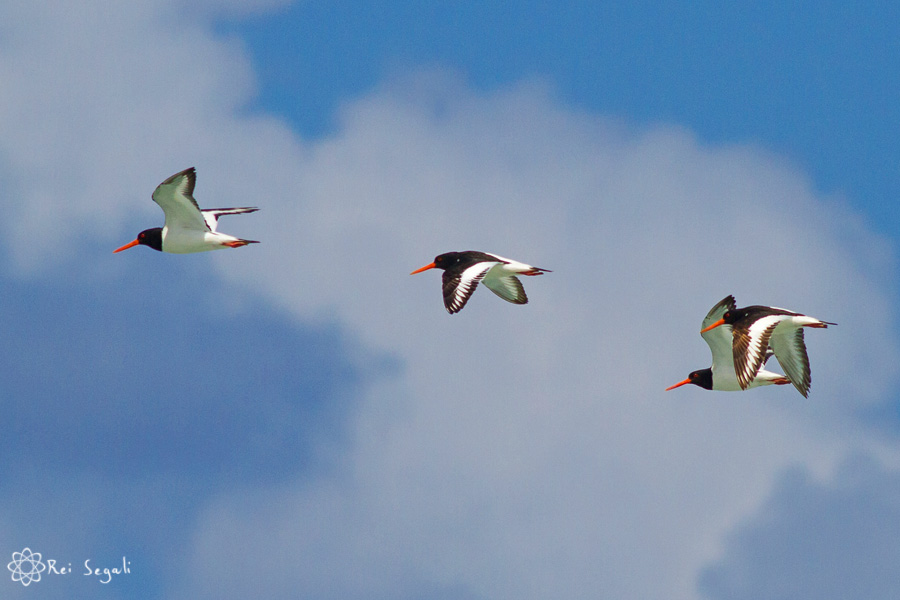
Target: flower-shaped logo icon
[26, 566]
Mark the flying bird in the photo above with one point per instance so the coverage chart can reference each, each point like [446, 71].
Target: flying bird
[755, 329]
[187, 228]
[463, 271]
[721, 375]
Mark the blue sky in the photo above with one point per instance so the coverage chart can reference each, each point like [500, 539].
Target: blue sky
[301, 418]
[809, 80]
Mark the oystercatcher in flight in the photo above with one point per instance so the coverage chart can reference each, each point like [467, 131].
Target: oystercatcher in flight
[463, 271]
[187, 228]
[755, 329]
[721, 376]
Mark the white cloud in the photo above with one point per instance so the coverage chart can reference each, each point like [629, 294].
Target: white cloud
[526, 452]
[530, 451]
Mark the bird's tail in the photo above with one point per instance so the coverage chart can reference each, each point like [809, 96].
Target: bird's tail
[821, 324]
[239, 243]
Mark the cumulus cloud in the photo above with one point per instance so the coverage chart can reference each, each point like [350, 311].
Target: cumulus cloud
[526, 451]
[530, 451]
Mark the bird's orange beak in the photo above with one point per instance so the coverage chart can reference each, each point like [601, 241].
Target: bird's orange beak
[713, 326]
[679, 384]
[425, 268]
[127, 246]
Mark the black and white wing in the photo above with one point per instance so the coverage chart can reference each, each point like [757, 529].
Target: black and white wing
[459, 287]
[750, 346]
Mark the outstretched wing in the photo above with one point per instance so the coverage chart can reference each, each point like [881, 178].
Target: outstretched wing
[458, 288]
[507, 287]
[790, 350]
[719, 339]
[749, 347]
[175, 197]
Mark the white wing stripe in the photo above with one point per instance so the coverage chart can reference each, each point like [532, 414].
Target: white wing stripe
[758, 334]
[468, 280]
